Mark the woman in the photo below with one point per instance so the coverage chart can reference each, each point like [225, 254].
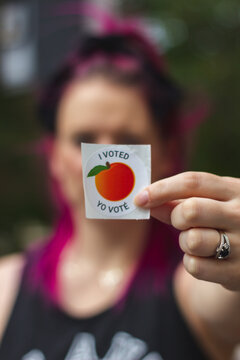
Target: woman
[115, 289]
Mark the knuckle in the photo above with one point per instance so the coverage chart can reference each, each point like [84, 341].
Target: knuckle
[192, 180]
[232, 186]
[182, 240]
[190, 210]
[193, 240]
[177, 220]
[231, 181]
[194, 267]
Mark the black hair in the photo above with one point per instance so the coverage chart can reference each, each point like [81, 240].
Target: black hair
[163, 95]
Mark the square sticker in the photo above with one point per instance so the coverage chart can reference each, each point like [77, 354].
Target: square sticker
[112, 176]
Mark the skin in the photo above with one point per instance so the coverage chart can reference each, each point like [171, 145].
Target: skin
[197, 204]
[96, 110]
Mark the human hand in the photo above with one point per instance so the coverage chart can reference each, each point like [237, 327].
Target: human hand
[199, 205]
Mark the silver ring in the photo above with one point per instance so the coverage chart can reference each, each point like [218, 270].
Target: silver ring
[224, 248]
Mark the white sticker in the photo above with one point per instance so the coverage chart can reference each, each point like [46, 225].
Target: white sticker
[112, 176]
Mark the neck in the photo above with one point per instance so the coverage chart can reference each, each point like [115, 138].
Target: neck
[108, 243]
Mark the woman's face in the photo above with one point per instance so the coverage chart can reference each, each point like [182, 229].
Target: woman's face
[99, 111]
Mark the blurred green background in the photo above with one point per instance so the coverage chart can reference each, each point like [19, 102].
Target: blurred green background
[202, 44]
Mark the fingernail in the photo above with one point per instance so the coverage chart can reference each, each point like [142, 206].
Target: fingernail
[142, 198]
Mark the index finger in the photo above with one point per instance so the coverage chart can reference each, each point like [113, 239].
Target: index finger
[184, 185]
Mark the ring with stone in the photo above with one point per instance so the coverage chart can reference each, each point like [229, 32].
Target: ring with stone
[223, 249]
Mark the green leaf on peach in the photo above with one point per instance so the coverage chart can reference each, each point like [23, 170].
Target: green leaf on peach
[96, 170]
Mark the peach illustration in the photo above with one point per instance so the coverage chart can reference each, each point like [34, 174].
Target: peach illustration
[114, 181]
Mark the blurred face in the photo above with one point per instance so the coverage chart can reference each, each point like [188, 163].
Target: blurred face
[98, 111]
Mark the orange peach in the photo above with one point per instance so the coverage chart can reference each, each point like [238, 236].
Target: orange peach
[114, 181]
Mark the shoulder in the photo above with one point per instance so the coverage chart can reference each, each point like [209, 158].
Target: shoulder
[11, 267]
[10, 271]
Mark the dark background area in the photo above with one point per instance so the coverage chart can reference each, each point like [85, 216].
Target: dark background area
[202, 43]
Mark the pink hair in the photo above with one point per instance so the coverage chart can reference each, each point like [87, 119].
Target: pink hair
[156, 264]
[109, 24]
[162, 252]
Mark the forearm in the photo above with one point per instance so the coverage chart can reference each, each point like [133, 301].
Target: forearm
[216, 306]
[220, 308]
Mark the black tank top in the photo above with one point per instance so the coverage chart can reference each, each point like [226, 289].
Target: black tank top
[147, 327]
